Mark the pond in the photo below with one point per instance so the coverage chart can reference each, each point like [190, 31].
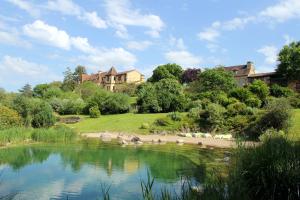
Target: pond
[79, 171]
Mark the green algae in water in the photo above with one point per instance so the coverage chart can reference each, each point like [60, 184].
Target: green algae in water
[78, 171]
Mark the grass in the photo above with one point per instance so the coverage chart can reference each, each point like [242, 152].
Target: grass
[295, 129]
[126, 123]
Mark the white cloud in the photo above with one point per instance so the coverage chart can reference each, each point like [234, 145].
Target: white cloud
[209, 34]
[270, 53]
[27, 6]
[213, 48]
[177, 43]
[50, 35]
[94, 20]
[13, 39]
[67, 7]
[17, 71]
[237, 23]
[138, 45]
[288, 39]
[121, 14]
[183, 58]
[283, 10]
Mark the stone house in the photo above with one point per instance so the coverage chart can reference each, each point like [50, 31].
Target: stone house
[111, 79]
[245, 74]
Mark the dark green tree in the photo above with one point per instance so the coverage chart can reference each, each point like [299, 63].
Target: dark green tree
[40, 89]
[216, 79]
[69, 82]
[289, 58]
[26, 90]
[79, 70]
[172, 71]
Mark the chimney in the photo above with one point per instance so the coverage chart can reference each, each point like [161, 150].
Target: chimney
[250, 67]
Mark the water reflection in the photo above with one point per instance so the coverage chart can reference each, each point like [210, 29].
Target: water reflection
[77, 171]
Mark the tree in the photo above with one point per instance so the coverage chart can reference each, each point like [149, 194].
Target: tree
[216, 79]
[69, 82]
[170, 95]
[26, 90]
[289, 58]
[172, 71]
[147, 99]
[79, 70]
[40, 89]
[87, 89]
[190, 75]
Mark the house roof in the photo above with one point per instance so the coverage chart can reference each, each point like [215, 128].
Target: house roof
[239, 70]
[112, 71]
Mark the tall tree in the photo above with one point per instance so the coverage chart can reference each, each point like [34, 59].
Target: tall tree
[69, 82]
[79, 70]
[289, 58]
[26, 90]
[172, 71]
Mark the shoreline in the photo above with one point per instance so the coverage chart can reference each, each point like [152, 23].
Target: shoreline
[206, 142]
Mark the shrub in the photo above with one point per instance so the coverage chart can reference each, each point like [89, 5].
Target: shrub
[162, 122]
[147, 99]
[241, 94]
[42, 115]
[195, 113]
[279, 91]
[145, 126]
[115, 103]
[213, 117]
[237, 108]
[294, 101]
[9, 118]
[175, 116]
[271, 133]
[260, 89]
[94, 112]
[253, 102]
[69, 106]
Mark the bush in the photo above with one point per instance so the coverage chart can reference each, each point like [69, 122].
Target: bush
[195, 113]
[253, 102]
[147, 99]
[68, 106]
[260, 89]
[115, 103]
[242, 94]
[268, 171]
[279, 91]
[271, 133]
[42, 115]
[175, 116]
[9, 118]
[294, 101]
[213, 117]
[145, 126]
[162, 122]
[236, 109]
[94, 112]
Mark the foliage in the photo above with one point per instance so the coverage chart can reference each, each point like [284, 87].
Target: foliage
[14, 135]
[69, 81]
[170, 95]
[271, 133]
[94, 112]
[24, 106]
[216, 79]
[115, 103]
[145, 126]
[245, 96]
[289, 58]
[40, 90]
[268, 171]
[213, 117]
[175, 116]
[68, 106]
[42, 115]
[147, 99]
[279, 91]
[237, 109]
[26, 90]
[190, 75]
[79, 70]
[9, 118]
[170, 71]
[260, 89]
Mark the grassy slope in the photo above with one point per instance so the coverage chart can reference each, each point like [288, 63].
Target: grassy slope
[295, 130]
[128, 123]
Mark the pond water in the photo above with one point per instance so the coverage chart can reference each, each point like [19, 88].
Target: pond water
[80, 171]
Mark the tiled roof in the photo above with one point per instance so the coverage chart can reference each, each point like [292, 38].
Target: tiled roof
[262, 74]
[235, 68]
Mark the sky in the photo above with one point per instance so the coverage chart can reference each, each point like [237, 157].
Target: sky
[40, 39]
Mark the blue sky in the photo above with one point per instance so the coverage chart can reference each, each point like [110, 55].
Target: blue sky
[39, 39]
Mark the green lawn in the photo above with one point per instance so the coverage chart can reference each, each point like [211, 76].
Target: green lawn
[127, 123]
[295, 130]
